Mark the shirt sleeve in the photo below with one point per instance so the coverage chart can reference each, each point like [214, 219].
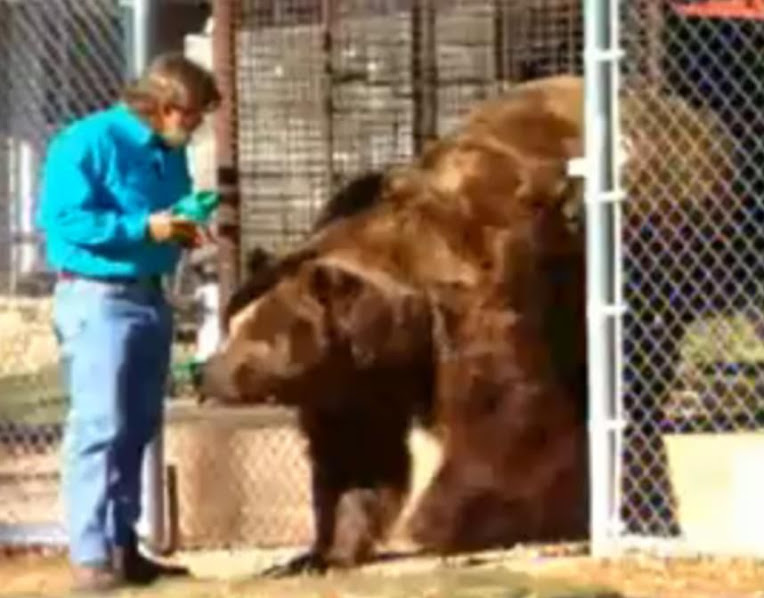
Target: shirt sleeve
[70, 205]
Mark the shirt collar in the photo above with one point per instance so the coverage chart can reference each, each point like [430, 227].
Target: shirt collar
[136, 127]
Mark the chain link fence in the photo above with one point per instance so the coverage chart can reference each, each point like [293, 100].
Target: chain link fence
[692, 114]
[59, 59]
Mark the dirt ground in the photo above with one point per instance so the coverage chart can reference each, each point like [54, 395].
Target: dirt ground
[522, 573]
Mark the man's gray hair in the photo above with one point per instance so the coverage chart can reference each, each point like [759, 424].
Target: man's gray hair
[172, 80]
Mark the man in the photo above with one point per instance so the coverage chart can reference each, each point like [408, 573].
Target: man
[108, 183]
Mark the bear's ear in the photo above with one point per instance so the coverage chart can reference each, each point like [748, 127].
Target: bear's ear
[367, 324]
[369, 313]
[355, 310]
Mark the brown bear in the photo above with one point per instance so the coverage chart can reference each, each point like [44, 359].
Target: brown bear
[434, 299]
[356, 494]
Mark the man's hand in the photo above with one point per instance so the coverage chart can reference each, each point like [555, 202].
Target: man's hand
[165, 228]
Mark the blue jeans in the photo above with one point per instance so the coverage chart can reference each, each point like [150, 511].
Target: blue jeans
[115, 349]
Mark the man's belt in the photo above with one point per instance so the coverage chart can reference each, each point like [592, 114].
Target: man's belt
[153, 280]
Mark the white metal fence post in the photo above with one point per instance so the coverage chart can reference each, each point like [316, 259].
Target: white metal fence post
[604, 302]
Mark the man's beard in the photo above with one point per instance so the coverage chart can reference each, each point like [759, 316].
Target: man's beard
[176, 137]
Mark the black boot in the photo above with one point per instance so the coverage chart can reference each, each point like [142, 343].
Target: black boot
[135, 568]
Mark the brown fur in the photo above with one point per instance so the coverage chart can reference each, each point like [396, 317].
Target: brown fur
[514, 451]
[443, 297]
[361, 464]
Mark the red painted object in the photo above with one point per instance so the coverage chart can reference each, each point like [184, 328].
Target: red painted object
[723, 9]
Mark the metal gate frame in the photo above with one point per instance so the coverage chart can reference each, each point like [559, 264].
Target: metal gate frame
[605, 306]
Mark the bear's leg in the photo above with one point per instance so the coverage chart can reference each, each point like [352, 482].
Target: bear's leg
[463, 510]
[324, 499]
[352, 510]
[372, 483]
[469, 506]
[364, 516]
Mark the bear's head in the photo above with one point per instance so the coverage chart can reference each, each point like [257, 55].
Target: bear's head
[329, 317]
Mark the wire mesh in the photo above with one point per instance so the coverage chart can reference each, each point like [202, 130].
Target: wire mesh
[322, 93]
[242, 478]
[691, 106]
[59, 59]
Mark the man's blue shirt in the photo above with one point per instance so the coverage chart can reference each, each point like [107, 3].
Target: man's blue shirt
[103, 176]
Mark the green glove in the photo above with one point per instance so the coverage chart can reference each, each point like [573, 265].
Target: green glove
[197, 206]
